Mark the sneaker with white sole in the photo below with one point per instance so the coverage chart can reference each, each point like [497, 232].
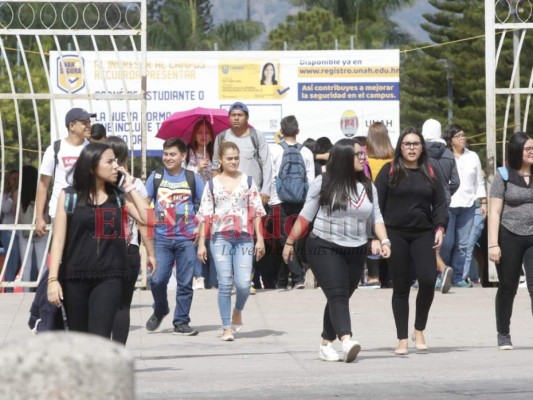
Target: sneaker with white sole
[350, 350]
[504, 342]
[328, 353]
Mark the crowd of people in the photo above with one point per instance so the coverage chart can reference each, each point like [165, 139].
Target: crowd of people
[226, 210]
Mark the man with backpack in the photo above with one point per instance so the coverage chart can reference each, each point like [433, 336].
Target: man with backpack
[255, 155]
[58, 160]
[294, 169]
[176, 193]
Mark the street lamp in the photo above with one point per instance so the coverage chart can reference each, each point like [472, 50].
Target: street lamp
[448, 65]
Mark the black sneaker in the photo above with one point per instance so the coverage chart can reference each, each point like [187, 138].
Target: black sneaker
[184, 329]
[153, 322]
[504, 342]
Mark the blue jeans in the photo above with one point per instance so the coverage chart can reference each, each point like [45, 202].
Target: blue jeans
[209, 270]
[470, 270]
[183, 254]
[233, 257]
[12, 264]
[455, 246]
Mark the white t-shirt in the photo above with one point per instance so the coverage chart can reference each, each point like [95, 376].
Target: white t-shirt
[276, 152]
[66, 158]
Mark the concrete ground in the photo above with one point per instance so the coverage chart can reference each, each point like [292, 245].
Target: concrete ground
[276, 355]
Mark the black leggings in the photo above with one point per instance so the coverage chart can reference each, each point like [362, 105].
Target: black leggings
[337, 270]
[121, 324]
[91, 305]
[515, 250]
[412, 249]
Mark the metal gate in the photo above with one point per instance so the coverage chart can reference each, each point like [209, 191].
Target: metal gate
[507, 25]
[30, 32]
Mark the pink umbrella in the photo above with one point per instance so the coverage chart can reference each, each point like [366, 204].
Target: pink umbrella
[180, 124]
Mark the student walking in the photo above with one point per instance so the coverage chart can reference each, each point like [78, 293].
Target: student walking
[89, 259]
[414, 208]
[231, 203]
[343, 204]
[510, 230]
[121, 325]
[174, 191]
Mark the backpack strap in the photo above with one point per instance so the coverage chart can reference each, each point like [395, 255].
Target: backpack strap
[191, 181]
[71, 200]
[158, 177]
[504, 172]
[57, 146]
[255, 142]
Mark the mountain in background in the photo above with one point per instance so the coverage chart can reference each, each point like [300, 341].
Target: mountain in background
[274, 12]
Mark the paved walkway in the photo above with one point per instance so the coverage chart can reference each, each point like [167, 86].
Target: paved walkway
[276, 354]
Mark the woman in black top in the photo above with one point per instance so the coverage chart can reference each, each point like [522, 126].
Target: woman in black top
[413, 204]
[89, 258]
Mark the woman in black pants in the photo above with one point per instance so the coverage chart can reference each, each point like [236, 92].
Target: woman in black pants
[414, 207]
[121, 324]
[88, 257]
[343, 205]
[510, 227]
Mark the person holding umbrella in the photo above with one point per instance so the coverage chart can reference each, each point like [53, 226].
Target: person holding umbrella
[199, 159]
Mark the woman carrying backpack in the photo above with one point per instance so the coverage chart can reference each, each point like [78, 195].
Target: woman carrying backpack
[89, 255]
[510, 229]
[414, 208]
[343, 204]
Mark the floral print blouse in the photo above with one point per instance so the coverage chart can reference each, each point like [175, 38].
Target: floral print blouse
[234, 211]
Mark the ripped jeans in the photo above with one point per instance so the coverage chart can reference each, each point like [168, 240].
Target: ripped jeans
[233, 257]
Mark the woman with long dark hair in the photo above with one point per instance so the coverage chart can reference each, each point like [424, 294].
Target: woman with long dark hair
[268, 74]
[200, 160]
[414, 207]
[510, 229]
[343, 205]
[89, 255]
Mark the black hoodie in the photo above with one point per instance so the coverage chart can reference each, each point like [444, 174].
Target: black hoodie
[446, 161]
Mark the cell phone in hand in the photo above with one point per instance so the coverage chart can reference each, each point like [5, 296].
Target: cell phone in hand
[120, 178]
[374, 256]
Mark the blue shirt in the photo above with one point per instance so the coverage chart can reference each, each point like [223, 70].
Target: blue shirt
[174, 206]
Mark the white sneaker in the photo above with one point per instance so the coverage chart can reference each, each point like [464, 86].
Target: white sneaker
[350, 349]
[328, 353]
[198, 283]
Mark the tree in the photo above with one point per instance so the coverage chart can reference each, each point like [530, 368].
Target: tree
[316, 29]
[366, 20]
[188, 25]
[457, 28]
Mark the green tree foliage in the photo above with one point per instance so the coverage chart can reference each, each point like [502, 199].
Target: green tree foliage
[458, 28]
[316, 29]
[188, 25]
[366, 20]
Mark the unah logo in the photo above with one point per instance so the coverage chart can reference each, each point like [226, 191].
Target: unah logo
[69, 73]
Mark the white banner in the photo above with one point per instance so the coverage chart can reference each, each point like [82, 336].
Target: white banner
[332, 93]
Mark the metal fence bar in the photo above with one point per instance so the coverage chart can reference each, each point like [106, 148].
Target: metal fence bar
[49, 19]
